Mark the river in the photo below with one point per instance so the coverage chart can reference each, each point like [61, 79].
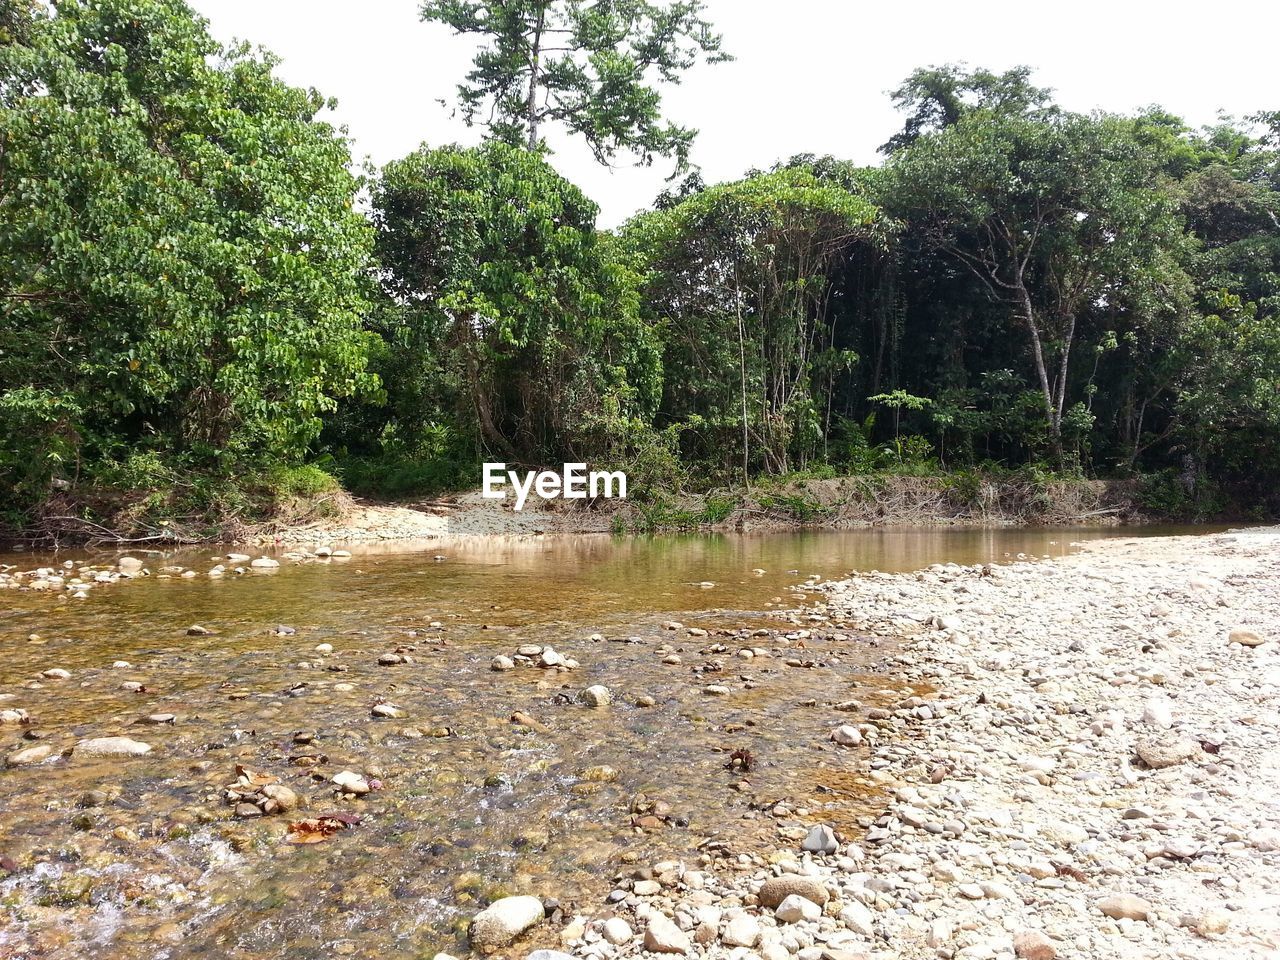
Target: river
[144, 857]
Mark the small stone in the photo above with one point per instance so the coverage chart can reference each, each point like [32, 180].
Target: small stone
[265, 563]
[504, 920]
[284, 797]
[617, 931]
[351, 782]
[821, 839]
[24, 758]
[56, 673]
[847, 735]
[646, 888]
[195, 630]
[663, 936]
[743, 930]
[387, 710]
[1247, 638]
[500, 663]
[1158, 712]
[1125, 906]
[596, 696]
[112, 747]
[1034, 945]
[1159, 752]
[796, 908]
[777, 889]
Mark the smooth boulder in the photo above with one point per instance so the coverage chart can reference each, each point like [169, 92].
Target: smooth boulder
[503, 921]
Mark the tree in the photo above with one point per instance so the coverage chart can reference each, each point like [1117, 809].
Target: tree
[592, 65]
[1056, 215]
[934, 98]
[737, 279]
[181, 269]
[510, 302]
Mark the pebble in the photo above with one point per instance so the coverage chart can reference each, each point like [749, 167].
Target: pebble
[596, 696]
[617, 931]
[112, 747]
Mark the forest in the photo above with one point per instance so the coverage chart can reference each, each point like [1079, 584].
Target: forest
[209, 307]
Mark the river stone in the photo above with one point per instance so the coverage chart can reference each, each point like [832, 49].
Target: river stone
[502, 663]
[14, 716]
[1248, 638]
[284, 797]
[617, 931]
[663, 936]
[821, 839]
[56, 673]
[742, 931]
[265, 563]
[1034, 945]
[1125, 906]
[796, 908]
[22, 758]
[596, 696]
[777, 889]
[1159, 752]
[504, 920]
[846, 735]
[351, 782]
[129, 564]
[549, 955]
[112, 747]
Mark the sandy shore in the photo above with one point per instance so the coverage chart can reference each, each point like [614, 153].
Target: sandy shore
[1097, 776]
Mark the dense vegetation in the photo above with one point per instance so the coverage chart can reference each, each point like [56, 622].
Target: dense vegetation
[195, 303]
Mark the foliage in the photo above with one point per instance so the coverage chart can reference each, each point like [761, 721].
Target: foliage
[181, 270]
[510, 315]
[592, 67]
[736, 279]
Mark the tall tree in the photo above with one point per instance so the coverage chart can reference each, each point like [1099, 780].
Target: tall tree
[1055, 215]
[508, 293]
[934, 98]
[592, 65]
[181, 269]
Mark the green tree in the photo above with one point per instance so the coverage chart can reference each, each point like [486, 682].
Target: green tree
[1058, 216]
[937, 97]
[592, 66]
[510, 302]
[738, 282]
[181, 269]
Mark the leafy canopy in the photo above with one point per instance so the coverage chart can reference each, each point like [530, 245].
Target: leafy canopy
[593, 66]
[180, 265]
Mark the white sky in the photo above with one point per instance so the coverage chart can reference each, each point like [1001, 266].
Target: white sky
[810, 75]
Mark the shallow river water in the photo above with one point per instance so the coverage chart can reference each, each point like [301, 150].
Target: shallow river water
[133, 857]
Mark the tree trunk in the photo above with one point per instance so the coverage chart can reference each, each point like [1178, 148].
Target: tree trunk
[1042, 370]
[531, 116]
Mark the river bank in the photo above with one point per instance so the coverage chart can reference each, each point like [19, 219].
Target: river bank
[827, 503]
[1095, 777]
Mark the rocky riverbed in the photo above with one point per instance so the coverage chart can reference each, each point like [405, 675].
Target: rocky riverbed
[1096, 776]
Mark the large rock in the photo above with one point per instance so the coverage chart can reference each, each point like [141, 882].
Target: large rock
[777, 889]
[663, 936]
[504, 920]
[112, 747]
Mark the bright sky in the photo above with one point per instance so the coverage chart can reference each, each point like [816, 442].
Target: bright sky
[810, 75]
